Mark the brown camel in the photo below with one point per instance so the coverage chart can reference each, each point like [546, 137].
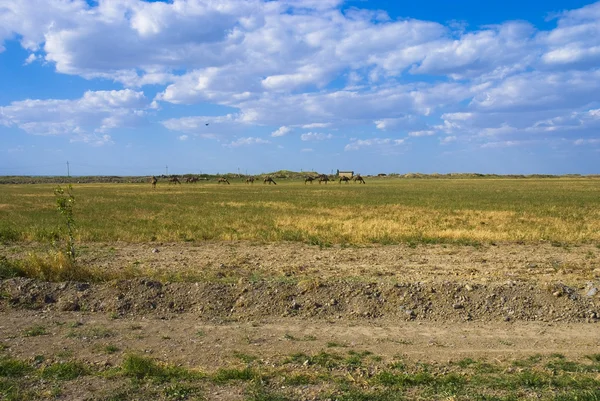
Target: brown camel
[223, 180]
[174, 180]
[269, 180]
[309, 179]
[153, 181]
[250, 180]
[345, 179]
[359, 179]
[323, 178]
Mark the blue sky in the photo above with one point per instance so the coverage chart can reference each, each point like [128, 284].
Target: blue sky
[131, 87]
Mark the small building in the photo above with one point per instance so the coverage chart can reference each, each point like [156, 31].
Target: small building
[348, 174]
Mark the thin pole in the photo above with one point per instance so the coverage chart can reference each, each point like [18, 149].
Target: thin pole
[68, 172]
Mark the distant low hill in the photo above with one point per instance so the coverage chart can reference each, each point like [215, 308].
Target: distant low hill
[281, 174]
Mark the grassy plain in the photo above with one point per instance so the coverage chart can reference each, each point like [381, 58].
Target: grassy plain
[385, 211]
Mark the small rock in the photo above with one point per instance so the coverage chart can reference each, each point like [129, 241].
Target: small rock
[457, 306]
[592, 292]
[469, 287]
[155, 250]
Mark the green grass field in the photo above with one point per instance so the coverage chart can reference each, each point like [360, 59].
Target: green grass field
[385, 211]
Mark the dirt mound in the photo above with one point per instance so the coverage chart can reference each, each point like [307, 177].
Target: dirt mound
[334, 299]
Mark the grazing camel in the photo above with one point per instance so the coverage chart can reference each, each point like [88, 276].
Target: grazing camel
[191, 179]
[174, 180]
[223, 180]
[269, 180]
[345, 179]
[309, 179]
[250, 180]
[359, 179]
[153, 181]
[323, 178]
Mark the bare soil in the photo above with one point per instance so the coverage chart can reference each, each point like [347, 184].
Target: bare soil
[429, 303]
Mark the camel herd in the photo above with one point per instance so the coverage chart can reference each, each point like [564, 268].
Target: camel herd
[321, 178]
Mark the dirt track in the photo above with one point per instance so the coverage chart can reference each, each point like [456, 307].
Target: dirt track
[429, 303]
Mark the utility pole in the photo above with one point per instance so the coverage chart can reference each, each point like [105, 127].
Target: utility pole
[68, 172]
[167, 167]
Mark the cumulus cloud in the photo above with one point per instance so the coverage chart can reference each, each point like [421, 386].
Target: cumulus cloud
[448, 139]
[281, 131]
[421, 133]
[315, 136]
[246, 142]
[95, 113]
[309, 64]
[316, 125]
[210, 127]
[375, 142]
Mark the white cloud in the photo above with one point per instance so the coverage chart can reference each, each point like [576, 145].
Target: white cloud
[375, 142]
[306, 150]
[315, 136]
[421, 133]
[316, 125]
[95, 113]
[206, 126]
[502, 144]
[30, 59]
[594, 141]
[281, 131]
[448, 139]
[309, 64]
[247, 142]
[183, 137]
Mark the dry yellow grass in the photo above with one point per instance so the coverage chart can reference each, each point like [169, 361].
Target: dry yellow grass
[385, 211]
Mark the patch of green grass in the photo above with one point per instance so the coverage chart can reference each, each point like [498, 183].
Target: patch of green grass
[143, 368]
[245, 357]
[111, 349]
[390, 379]
[64, 371]
[260, 392]
[13, 367]
[465, 363]
[10, 269]
[322, 359]
[299, 379]
[180, 391]
[35, 331]
[594, 358]
[333, 344]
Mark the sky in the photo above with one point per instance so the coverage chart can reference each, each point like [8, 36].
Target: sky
[132, 87]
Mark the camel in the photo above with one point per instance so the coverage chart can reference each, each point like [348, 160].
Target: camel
[250, 180]
[153, 181]
[323, 178]
[309, 179]
[191, 179]
[269, 180]
[223, 180]
[359, 179]
[174, 180]
[345, 179]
